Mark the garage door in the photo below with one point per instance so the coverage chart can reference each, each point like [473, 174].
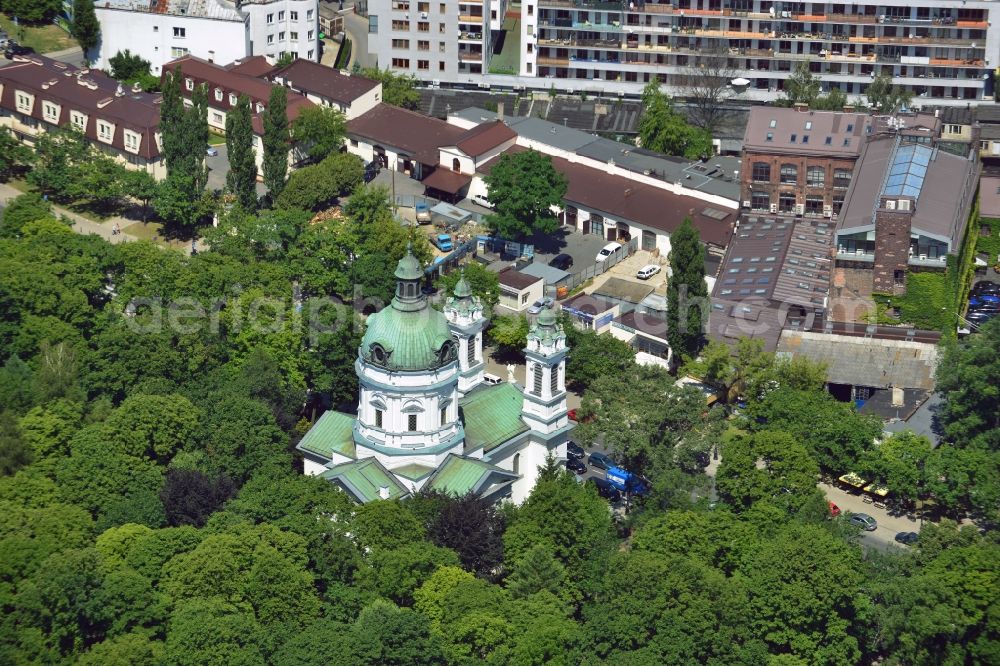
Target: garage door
[648, 240]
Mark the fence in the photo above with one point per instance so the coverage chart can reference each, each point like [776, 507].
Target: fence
[589, 273]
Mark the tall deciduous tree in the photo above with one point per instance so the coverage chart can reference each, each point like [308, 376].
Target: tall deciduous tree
[397, 89]
[319, 131]
[14, 156]
[242, 177]
[32, 11]
[276, 141]
[687, 294]
[523, 188]
[968, 379]
[664, 130]
[85, 29]
[185, 136]
[885, 96]
[708, 87]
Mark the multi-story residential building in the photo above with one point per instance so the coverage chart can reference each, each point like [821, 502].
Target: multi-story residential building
[38, 94]
[944, 51]
[440, 40]
[218, 31]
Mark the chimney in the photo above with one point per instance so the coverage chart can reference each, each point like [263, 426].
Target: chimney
[500, 111]
[897, 396]
[937, 113]
[119, 91]
[383, 492]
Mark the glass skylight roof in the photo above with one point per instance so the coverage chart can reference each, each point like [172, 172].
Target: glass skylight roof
[908, 170]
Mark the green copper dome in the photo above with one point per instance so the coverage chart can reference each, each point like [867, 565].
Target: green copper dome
[408, 335]
[462, 288]
[547, 317]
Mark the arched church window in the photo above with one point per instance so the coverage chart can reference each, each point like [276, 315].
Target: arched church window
[378, 418]
[447, 353]
[378, 354]
[516, 465]
[537, 379]
[411, 422]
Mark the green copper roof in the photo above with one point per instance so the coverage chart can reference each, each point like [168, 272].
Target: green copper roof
[492, 415]
[408, 339]
[459, 475]
[334, 432]
[364, 478]
[408, 267]
[413, 471]
[462, 288]
[546, 317]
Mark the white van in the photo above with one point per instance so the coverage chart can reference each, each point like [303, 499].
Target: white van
[607, 251]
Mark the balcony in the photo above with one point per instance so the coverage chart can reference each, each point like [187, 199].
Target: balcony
[470, 18]
[470, 57]
[584, 4]
[851, 18]
[554, 62]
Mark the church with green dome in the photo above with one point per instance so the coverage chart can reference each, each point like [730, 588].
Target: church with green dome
[427, 419]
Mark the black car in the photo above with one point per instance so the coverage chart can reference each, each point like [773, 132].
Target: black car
[979, 318]
[574, 450]
[15, 49]
[563, 262]
[576, 466]
[986, 287]
[907, 538]
[605, 489]
[371, 170]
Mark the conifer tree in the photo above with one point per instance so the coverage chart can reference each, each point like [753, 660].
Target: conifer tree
[687, 294]
[276, 141]
[85, 29]
[242, 177]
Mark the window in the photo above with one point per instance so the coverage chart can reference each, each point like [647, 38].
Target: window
[841, 178]
[400, 43]
[773, 123]
[444, 415]
[786, 202]
[156, 28]
[794, 138]
[789, 174]
[104, 131]
[443, 8]
[441, 28]
[805, 138]
[423, 64]
[309, 54]
[760, 201]
[814, 205]
[400, 25]
[309, 35]
[411, 422]
[554, 380]
[850, 127]
[178, 52]
[829, 140]
[770, 137]
[216, 117]
[294, 36]
[536, 379]
[441, 47]
[270, 19]
[838, 202]
[423, 45]
[531, 10]
[189, 84]
[440, 66]
[954, 129]
[51, 112]
[761, 172]
[471, 357]
[281, 36]
[815, 176]
[260, 108]
[531, 48]
[281, 16]
[180, 32]
[293, 16]
[378, 418]
[79, 120]
[516, 464]
[232, 99]
[401, 63]
[270, 39]
[309, 15]
[423, 26]
[218, 95]
[809, 125]
[131, 140]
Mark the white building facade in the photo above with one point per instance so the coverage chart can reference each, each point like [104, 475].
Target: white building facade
[219, 31]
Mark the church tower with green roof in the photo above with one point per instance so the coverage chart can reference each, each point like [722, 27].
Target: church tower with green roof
[465, 317]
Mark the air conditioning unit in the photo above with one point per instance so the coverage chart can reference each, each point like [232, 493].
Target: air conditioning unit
[827, 211]
[890, 204]
[904, 204]
[423, 15]
[923, 257]
[774, 208]
[800, 209]
[746, 204]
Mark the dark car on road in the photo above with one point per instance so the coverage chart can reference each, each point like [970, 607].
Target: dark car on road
[14, 49]
[600, 460]
[562, 261]
[576, 466]
[986, 287]
[574, 450]
[907, 538]
[605, 489]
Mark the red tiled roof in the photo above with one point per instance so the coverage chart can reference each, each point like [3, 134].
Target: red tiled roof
[484, 138]
[411, 133]
[92, 93]
[256, 66]
[447, 180]
[311, 77]
[632, 201]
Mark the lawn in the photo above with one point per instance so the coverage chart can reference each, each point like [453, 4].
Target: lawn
[152, 231]
[506, 57]
[216, 139]
[42, 38]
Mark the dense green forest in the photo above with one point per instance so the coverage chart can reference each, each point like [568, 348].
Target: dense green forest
[152, 510]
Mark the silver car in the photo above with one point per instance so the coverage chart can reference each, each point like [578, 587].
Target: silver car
[864, 521]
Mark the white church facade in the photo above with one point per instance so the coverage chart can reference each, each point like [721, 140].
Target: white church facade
[427, 420]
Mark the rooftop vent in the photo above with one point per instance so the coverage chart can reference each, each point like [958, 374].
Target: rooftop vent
[104, 102]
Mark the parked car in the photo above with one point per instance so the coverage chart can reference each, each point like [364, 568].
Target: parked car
[986, 287]
[540, 305]
[13, 49]
[864, 521]
[574, 450]
[600, 460]
[576, 466]
[491, 380]
[212, 151]
[978, 318]
[605, 489]
[608, 250]
[834, 510]
[423, 212]
[647, 271]
[371, 170]
[443, 242]
[482, 201]
[907, 538]
[562, 261]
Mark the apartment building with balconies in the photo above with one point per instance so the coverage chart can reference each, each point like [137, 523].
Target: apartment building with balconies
[438, 40]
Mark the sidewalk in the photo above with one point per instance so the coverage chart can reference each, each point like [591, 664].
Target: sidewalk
[83, 225]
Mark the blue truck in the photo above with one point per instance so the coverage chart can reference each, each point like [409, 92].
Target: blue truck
[626, 481]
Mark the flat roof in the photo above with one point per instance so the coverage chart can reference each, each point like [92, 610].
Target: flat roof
[989, 196]
[550, 274]
[509, 277]
[625, 290]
